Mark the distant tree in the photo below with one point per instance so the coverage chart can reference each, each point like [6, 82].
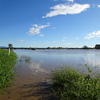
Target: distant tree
[10, 46]
[32, 48]
[48, 47]
[85, 47]
[54, 47]
[60, 47]
[97, 46]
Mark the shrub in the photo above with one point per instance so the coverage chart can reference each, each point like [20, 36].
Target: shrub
[69, 84]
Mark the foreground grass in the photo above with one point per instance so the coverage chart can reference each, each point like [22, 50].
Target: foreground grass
[69, 84]
[6, 69]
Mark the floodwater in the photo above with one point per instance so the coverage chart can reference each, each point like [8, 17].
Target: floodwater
[33, 68]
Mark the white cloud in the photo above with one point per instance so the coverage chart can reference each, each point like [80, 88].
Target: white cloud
[64, 9]
[93, 35]
[41, 35]
[65, 37]
[36, 68]
[69, 0]
[99, 6]
[36, 29]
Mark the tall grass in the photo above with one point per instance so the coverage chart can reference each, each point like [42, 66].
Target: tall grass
[69, 84]
[6, 68]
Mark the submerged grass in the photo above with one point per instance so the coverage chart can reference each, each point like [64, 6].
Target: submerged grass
[25, 58]
[6, 69]
[69, 84]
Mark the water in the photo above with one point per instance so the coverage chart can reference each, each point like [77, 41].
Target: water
[43, 61]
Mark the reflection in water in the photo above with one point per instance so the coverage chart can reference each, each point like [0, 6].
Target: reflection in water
[43, 61]
[93, 62]
[35, 68]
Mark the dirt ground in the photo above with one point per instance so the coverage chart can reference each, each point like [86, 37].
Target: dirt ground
[29, 87]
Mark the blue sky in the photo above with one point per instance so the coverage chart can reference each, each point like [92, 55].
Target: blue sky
[53, 23]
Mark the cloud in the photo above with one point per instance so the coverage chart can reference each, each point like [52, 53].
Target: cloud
[64, 37]
[93, 35]
[69, 0]
[36, 68]
[64, 9]
[98, 6]
[36, 29]
[41, 35]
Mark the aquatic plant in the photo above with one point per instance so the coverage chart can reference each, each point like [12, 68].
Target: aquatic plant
[6, 68]
[25, 58]
[69, 84]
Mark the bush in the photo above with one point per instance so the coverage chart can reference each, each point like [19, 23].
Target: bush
[69, 84]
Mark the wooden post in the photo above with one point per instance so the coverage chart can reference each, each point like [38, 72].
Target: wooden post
[9, 51]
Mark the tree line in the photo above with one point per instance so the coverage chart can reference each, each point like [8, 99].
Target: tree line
[97, 46]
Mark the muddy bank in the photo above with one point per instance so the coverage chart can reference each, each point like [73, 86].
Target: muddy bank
[29, 86]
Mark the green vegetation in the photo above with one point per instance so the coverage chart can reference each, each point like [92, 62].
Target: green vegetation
[6, 69]
[10, 46]
[60, 48]
[97, 46]
[85, 47]
[48, 47]
[32, 48]
[69, 84]
[25, 58]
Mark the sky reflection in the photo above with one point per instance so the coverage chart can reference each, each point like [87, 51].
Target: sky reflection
[42, 61]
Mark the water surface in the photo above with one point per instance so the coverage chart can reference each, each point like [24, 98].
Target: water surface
[46, 60]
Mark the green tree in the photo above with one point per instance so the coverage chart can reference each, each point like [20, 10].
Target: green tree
[60, 47]
[48, 47]
[10, 46]
[85, 47]
[97, 46]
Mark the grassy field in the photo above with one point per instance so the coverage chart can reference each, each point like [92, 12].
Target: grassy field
[6, 69]
[69, 84]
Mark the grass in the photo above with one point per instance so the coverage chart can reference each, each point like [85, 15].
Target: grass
[6, 69]
[69, 84]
